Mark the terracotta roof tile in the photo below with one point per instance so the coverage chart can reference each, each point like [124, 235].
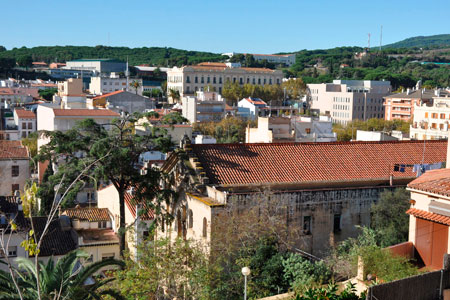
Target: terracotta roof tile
[84, 112]
[25, 114]
[131, 204]
[422, 214]
[244, 164]
[434, 181]
[12, 149]
[91, 214]
[57, 241]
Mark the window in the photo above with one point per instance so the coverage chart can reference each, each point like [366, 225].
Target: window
[308, 130]
[253, 81]
[15, 171]
[107, 256]
[188, 80]
[214, 79]
[205, 227]
[241, 81]
[442, 116]
[191, 218]
[337, 223]
[248, 80]
[196, 79]
[102, 224]
[426, 115]
[270, 81]
[259, 80]
[434, 115]
[24, 125]
[30, 125]
[208, 80]
[203, 80]
[15, 187]
[220, 80]
[307, 224]
[24, 134]
[234, 79]
[12, 251]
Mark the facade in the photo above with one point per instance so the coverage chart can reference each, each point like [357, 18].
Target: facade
[108, 197]
[97, 65]
[60, 73]
[189, 79]
[252, 108]
[313, 129]
[270, 130]
[362, 135]
[431, 120]
[283, 59]
[401, 106]
[96, 235]
[429, 219]
[322, 189]
[70, 94]
[104, 85]
[204, 107]
[122, 101]
[14, 167]
[13, 96]
[347, 100]
[25, 121]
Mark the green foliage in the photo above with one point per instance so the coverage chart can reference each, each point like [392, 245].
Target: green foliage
[422, 41]
[46, 191]
[47, 94]
[179, 269]
[228, 130]
[271, 93]
[389, 217]
[173, 118]
[302, 274]
[31, 143]
[348, 132]
[378, 261]
[330, 292]
[56, 280]
[154, 55]
[24, 61]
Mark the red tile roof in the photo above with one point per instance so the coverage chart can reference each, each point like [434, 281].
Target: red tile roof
[25, 114]
[422, 214]
[84, 112]
[107, 95]
[12, 149]
[91, 214]
[131, 204]
[289, 163]
[255, 101]
[434, 181]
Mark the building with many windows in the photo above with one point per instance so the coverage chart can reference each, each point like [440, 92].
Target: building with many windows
[431, 119]
[189, 79]
[348, 100]
[103, 85]
[14, 167]
[204, 107]
[25, 121]
[400, 106]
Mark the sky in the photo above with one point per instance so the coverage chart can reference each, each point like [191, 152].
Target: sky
[247, 26]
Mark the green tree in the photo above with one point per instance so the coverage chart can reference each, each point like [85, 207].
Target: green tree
[232, 92]
[166, 269]
[135, 84]
[389, 217]
[114, 155]
[64, 279]
[174, 95]
[173, 118]
[295, 88]
[25, 61]
[47, 94]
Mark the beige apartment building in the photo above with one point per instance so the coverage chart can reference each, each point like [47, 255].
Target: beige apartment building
[348, 100]
[189, 79]
[431, 120]
[103, 85]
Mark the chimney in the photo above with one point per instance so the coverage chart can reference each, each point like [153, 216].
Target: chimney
[408, 91]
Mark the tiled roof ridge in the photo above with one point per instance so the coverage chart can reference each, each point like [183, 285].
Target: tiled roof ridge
[319, 143]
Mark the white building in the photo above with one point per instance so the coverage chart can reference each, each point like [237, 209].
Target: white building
[70, 94]
[252, 108]
[374, 136]
[204, 107]
[347, 100]
[311, 129]
[25, 121]
[103, 85]
[96, 65]
[14, 167]
[190, 79]
[431, 120]
[284, 59]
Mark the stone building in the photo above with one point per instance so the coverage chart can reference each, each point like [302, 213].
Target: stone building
[322, 189]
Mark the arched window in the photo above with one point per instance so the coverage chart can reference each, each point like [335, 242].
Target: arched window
[205, 227]
[191, 218]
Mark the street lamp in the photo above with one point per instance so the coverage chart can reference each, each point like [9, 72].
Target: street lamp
[245, 272]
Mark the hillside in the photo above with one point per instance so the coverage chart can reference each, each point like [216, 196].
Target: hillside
[136, 56]
[422, 41]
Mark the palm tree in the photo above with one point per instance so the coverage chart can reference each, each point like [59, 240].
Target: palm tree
[136, 85]
[66, 279]
[174, 94]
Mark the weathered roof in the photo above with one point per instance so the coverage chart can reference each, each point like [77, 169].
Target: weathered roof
[57, 241]
[289, 163]
[12, 150]
[434, 181]
[98, 236]
[79, 112]
[131, 203]
[91, 214]
[25, 114]
[107, 95]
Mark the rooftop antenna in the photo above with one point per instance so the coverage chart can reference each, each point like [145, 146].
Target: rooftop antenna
[368, 42]
[381, 36]
[127, 74]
